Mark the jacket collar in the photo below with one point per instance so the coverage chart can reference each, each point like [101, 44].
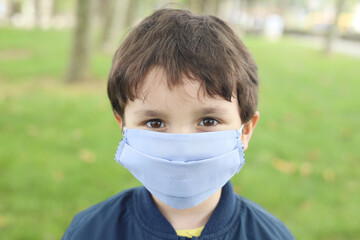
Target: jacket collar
[150, 217]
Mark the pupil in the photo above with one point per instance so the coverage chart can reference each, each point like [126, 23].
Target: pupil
[155, 124]
[208, 122]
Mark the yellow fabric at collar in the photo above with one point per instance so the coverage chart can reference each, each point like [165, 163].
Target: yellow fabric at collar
[190, 232]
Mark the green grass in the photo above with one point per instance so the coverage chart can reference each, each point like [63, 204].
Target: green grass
[310, 117]
[57, 141]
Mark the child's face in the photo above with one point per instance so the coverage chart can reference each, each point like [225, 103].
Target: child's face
[183, 109]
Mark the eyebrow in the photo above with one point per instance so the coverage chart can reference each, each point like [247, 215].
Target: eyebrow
[212, 110]
[149, 113]
[201, 111]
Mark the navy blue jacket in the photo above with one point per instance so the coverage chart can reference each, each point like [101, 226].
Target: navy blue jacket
[132, 215]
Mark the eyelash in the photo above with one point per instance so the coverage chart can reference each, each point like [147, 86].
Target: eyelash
[212, 119]
[148, 122]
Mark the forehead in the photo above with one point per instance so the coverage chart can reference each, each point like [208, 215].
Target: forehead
[155, 85]
[155, 95]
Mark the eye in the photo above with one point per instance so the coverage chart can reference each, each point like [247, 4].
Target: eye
[208, 122]
[155, 123]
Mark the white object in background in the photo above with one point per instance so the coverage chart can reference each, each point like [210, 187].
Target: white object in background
[274, 26]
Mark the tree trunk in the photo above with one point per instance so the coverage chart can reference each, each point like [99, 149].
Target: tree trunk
[80, 56]
[47, 7]
[197, 6]
[211, 7]
[10, 9]
[108, 15]
[332, 32]
[131, 13]
[114, 24]
[37, 13]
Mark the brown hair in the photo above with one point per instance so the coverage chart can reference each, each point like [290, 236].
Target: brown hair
[202, 48]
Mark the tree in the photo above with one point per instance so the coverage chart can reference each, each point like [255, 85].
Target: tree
[10, 10]
[210, 7]
[107, 17]
[79, 61]
[197, 6]
[114, 22]
[332, 32]
[131, 12]
[37, 13]
[118, 15]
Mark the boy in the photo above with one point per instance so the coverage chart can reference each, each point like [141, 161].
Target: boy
[183, 89]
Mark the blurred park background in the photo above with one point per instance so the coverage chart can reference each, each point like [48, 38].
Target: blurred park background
[58, 136]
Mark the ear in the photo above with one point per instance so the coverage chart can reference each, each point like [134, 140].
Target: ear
[249, 129]
[118, 119]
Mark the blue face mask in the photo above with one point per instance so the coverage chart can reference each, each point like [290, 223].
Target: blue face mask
[182, 170]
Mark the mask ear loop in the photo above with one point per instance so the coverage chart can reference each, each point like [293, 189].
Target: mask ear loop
[241, 128]
[239, 131]
[123, 131]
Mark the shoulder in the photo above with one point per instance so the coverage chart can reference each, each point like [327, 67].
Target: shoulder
[102, 216]
[105, 209]
[259, 223]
